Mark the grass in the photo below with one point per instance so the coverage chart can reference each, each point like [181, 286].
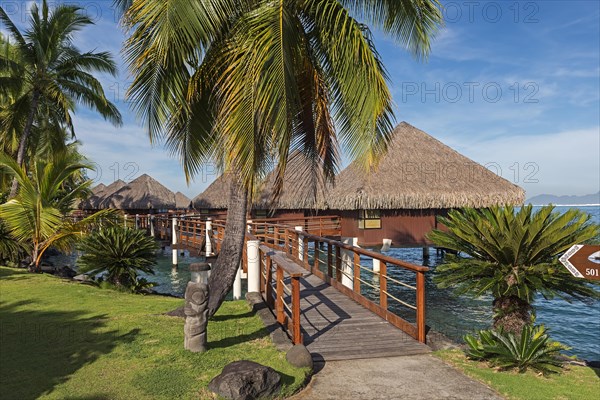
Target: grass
[62, 340]
[575, 382]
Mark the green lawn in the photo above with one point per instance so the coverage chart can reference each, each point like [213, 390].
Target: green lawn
[573, 384]
[62, 340]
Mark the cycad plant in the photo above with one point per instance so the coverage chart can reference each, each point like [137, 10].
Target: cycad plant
[120, 252]
[37, 216]
[532, 348]
[512, 255]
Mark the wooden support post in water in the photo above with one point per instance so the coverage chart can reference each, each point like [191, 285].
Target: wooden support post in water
[174, 242]
[383, 300]
[296, 335]
[421, 307]
[425, 254]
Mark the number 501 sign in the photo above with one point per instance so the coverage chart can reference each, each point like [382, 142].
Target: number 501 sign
[583, 261]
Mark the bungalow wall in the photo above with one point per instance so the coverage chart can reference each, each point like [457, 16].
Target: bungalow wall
[406, 228]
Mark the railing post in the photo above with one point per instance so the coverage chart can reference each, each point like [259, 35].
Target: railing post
[338, 264]
[286, 247]
[207, 242]
[174, 242]
[347, 261]
[296, 335]
[125, 220]
[316, 258]
[300, 243]
[253, 268]
[269, 281]
[279, 298]
[421, 307]
[137, 221]
[305, 256]
[329, 260]
[383, 285]
[356, 275]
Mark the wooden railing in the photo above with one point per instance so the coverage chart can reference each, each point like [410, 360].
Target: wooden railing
[346, 268]
[329, 225]
[384, 285]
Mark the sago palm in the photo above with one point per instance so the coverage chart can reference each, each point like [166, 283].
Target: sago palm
[512, 256]
[47, 68]
[245, 82]
[36, 215]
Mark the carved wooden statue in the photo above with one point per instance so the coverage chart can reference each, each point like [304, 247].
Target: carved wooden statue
[196, 311]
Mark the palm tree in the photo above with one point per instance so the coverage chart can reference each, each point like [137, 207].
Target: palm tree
[36, 216]
[48, 69]
[512, 255]
[245, 82]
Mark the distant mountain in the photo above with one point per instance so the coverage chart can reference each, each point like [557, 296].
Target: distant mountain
[565, 200]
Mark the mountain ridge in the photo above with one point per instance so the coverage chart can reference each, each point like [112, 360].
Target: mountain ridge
[565, 200]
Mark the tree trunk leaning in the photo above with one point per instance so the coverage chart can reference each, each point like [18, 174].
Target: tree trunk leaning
[223, 273]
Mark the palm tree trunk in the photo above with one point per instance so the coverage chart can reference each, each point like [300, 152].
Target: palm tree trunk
[511, 314]
[24, 137]
[224, 271]
[34, 266]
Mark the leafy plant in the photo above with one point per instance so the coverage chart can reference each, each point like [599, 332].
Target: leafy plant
[11, 250]
[512, 255]
[38, 216]
[532, 348]
[121, 253]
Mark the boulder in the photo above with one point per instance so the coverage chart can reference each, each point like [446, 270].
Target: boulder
[65, 272]
[246, 380]
[299, 356]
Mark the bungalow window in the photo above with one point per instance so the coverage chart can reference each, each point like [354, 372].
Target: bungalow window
[369, 219]
[258, 214]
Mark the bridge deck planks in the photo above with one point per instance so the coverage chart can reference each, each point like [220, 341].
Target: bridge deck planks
[337, 328]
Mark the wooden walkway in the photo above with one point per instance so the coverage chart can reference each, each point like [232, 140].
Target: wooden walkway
[337, 328]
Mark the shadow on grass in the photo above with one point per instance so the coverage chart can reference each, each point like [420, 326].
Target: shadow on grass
[227, 317]
[41, 349]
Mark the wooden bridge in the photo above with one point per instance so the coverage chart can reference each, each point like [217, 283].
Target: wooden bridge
[341, 301]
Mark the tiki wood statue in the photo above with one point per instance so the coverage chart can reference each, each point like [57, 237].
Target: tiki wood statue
[196, 311]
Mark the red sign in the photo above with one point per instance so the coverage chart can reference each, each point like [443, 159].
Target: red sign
[583, 261]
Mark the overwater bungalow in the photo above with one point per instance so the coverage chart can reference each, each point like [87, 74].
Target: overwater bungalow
[99, 193]
[418, 179]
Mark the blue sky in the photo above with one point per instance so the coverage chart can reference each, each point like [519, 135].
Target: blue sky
[514, 85]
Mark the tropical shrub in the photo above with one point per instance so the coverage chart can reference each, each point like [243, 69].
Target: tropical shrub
[532, 348]
[512, 255]
[121, 253]
[11, 251]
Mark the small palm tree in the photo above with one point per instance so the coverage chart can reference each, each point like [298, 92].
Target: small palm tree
[36, 216]
[47, 72]
[120, 252]
[512, 255]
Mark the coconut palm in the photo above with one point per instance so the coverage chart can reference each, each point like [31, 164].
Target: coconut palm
[245, 82]
[48, 69]
[36, 216]
[512, 256]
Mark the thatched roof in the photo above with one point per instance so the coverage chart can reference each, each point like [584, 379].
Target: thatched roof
[143, 192]
[215, 196]
[420, 172]
[303, 186]
[100, 192]
[302, 189]
[181, 200]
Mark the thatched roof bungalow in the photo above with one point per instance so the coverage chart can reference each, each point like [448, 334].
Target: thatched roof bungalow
[99, 193]
[182, 201]
[303, 193]
[141, 195]
[418, 178]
